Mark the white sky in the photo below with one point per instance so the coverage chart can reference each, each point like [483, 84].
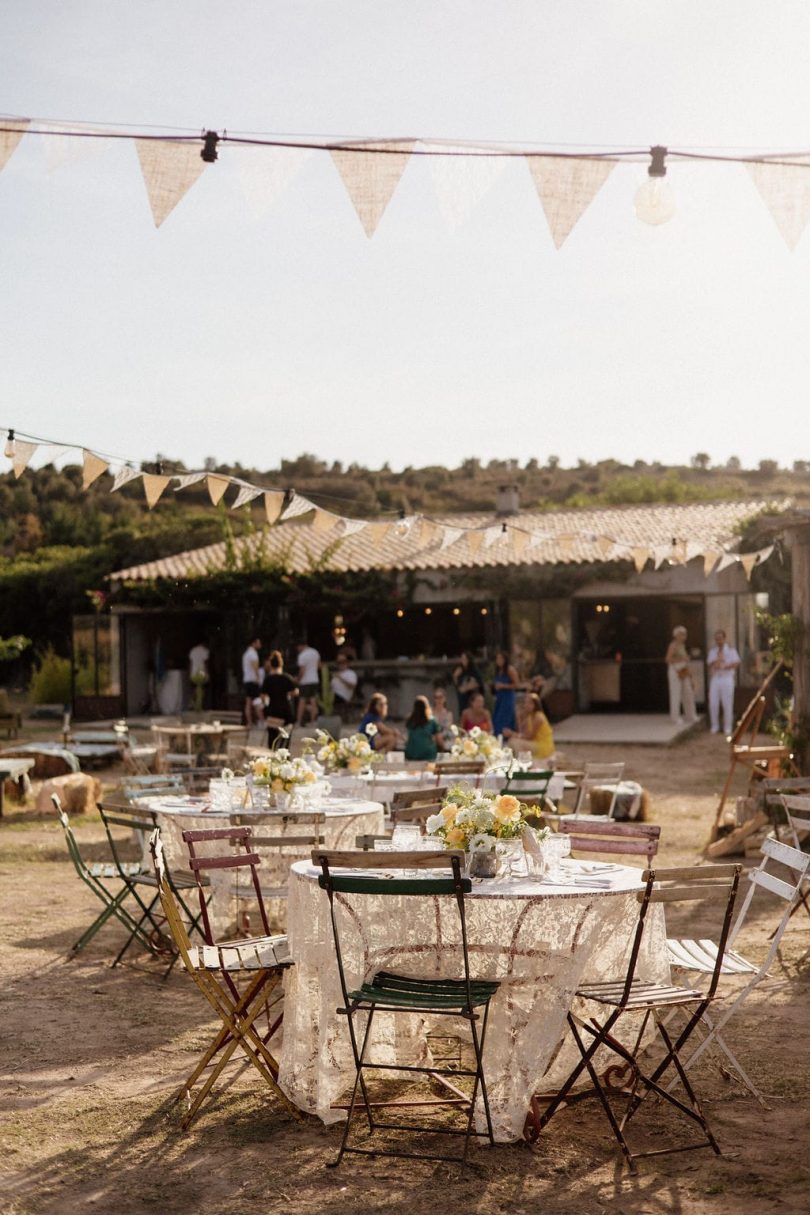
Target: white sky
[255, 338]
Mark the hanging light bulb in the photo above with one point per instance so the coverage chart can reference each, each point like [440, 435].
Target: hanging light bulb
[11, 446]
[654, 201]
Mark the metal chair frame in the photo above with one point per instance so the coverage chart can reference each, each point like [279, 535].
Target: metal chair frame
[655, 1001]
[599, 774]
[530, 787]
[394, 993]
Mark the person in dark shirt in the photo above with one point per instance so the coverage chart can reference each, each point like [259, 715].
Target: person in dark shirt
[278, 689]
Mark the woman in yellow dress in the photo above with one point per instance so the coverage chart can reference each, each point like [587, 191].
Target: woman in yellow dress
[535, 731]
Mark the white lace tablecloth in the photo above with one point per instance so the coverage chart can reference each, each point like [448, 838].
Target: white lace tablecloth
[344, 820]
[540, 940]
[382, 785]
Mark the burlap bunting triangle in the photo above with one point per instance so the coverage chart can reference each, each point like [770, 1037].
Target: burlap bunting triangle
[153, 487]
[567, 186]
[371, 178]
[10, 138]
[92, 469]
[216, 485]
[169, 171]
[785, 190]
[22, 456]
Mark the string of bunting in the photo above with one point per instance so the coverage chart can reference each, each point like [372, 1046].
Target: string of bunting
[566, 182]
[287, 505]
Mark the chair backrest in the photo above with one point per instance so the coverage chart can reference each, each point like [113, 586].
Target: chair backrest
[168, 901]
[72, 846]
[307, 827]
[774, 851]
[600, 774]
[367, 842]
[593, 833]
[452, 767]
[246, 858]
[452, 883]
[530, 787]
[415, 814]
[133, 787]
[427, 795]
[688, 884]
[797, 816]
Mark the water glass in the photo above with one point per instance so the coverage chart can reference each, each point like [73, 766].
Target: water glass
[555, 848]
[220, 793]
[511, 858]
[406, 837]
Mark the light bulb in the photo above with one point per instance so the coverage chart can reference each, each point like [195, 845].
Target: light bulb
[11, 446]
[654, 201]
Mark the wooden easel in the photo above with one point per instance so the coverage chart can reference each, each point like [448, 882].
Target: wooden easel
[763, 761]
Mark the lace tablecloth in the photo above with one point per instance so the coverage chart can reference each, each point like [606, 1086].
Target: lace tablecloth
[540, 941]
[344, 820]
[382, 785]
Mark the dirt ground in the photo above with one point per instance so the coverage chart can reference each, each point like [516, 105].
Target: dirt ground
[90, 1058]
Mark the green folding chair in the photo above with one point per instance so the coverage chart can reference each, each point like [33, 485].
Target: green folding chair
[96, 877]
[142, 882]
[531, 788]
[461, 997]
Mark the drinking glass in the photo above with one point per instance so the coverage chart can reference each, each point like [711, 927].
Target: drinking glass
[555, 848]
[406, 837]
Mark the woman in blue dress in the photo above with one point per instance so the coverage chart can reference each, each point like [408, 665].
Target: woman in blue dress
[504, 686]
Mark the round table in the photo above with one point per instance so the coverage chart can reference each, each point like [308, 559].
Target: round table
[382, 784]
[344, 820]
[540, 940]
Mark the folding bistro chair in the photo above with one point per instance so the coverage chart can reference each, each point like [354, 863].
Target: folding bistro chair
[237, 857]
[655, 1002]
[708, 957]
[460, 767]
[142, 822]
[97, 876]
[258, 965]
[466, 998]
[281, 839]
[797, 818]
[417, 805]
[593, 833]
[599, 775]
[530, 787]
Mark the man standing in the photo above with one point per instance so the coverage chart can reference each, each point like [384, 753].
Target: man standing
[723, 661]
[344, 686]
[251, 680]
[198, 657]
[309, 681]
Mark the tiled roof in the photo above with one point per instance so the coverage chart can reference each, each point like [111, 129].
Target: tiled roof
[532, 538]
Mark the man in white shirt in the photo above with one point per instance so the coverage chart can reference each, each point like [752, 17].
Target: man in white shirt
[198, 657]
[344, 686]
[251, 679]
[309, 681]
[723, 661]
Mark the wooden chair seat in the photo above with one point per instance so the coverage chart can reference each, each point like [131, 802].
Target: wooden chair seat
[255, 953]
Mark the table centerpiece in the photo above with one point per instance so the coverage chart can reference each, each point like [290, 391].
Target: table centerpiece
[278, 779]
[478, 744]
[353, 754]
[489, 827]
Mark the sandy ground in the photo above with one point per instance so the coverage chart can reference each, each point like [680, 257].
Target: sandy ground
[90, 1058]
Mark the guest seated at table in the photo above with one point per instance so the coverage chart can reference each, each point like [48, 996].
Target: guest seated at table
[444, 717]
[382, 737]
[424, 732]
[476, 714]
[535, 732]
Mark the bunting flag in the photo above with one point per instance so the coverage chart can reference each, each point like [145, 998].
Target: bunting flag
[186, 479]
[377, 532]
[492, 535]
[153, 487]
[246, 494]
[565, 543]
[216, 485]
[431, 532]
[694, 549]
[23, 452]
[710, 559]
[265, 173]
[123, 476]
[323, 520]
[606, 546]
[461, 179]
[449, 536]
[169, 171]
[371, 178]
[660, 554]
[475, 539]
[726, 560]
[785, 190]
[273, 503]
[748, 561]
[352, 526]
[93, 467]
[677, 555]
[566, 187]
[297, 506]
[10, 138]
[519, 540]
[640, 557]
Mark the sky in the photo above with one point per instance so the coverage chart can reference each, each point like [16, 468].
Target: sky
[253, 336]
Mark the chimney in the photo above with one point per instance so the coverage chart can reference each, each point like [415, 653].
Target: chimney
[507, 500]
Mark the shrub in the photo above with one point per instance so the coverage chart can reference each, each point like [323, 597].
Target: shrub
[50, 682]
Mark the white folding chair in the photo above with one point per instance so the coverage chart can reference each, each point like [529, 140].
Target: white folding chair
[599, 776]
[797, 818]
[700, 956]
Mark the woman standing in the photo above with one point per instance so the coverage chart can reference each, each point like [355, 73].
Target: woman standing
[681, 688]
[466, 680]
[504, 686]
[278, 689]
[424, 734]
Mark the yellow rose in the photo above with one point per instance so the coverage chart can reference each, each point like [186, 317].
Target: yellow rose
[455, 838]
[354, 764]
[309, 777]
[506, 807]
[469, 747]
[277, 785]
[449, 812]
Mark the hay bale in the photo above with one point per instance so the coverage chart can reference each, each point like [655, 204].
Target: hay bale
[78, 792]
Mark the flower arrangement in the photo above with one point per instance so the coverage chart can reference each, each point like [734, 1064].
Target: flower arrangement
[478, 744]
[476, 821]
[351, 754]
[281, 773]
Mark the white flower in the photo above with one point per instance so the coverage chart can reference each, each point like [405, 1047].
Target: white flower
[226, 774]
[371, 730]
[464, 816]
[434, 823]
[475, 731]
[482, 843]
